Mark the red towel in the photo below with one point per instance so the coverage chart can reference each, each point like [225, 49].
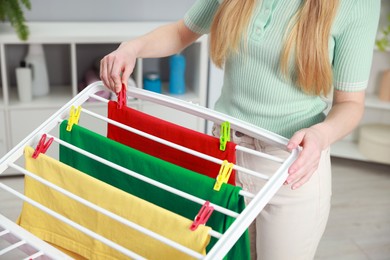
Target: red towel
[171, 132]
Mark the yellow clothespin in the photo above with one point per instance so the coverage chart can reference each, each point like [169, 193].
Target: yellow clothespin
[223, 175]
[225, 135]
[74, 117]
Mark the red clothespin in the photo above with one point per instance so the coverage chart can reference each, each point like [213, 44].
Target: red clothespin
[203, 215]
[42, 146]
[122, 99]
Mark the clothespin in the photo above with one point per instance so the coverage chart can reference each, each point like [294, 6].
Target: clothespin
[42, 146]
[202, 216]
[74, 117]
[122, 99]
[223, 175]
[225, 135]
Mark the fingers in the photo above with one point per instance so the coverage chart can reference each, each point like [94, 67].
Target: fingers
[115, 70]
[105, 69]
[110, 74]
[300, 180]
[116, 75]
[125, 76]
[307, 162]
[296, 140]
[303, 168]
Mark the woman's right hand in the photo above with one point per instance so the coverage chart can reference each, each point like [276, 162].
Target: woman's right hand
[117, 66]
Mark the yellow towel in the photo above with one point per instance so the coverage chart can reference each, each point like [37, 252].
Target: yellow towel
[159, 220]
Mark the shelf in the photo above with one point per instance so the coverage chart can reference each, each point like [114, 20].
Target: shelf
[73, 48]
[57, 97]
[189, 95]
[78, 32]
[349, 149]
[372, 101]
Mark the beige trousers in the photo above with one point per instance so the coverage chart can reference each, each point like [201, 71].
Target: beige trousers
[292, 224]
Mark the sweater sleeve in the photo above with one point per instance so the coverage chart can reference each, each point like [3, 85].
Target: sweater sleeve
[200, 16]
[354, 45]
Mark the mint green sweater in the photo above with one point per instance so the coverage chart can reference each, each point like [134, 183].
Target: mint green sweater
[254, 89]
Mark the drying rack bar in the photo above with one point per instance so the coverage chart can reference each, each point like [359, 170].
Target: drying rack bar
[242, 221]
[111, 215]
[42, 248]
[173, 145]
[250, 212]
[72, 223]
[146, 179]
[211, 115]
[238, 147]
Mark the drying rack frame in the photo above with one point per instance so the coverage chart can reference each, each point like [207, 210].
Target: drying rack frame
[245, 218]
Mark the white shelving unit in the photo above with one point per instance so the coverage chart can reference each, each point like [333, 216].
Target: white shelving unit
[376, 111]
[78, 44]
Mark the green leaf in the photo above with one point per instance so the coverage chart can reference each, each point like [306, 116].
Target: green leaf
[27, 4]
[12, 11]
[383, 42]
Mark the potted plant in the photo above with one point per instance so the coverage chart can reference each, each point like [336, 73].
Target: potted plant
[383, 41]
[383, 44]
[12, 11]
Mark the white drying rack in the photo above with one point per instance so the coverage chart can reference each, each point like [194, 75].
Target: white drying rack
[225, 241]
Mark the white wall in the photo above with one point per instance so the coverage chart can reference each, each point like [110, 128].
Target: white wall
[104, 10]
[385, 11]
[214, 90]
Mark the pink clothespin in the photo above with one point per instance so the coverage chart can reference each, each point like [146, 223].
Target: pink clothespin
[203, 215]
[42, 146]
[122, 99]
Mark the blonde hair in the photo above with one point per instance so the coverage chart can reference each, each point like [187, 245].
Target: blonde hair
[307, 40]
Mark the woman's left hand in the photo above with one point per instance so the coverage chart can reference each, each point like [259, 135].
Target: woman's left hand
[312, 142]
[346, 112]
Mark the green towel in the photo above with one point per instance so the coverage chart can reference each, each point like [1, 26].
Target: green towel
[177, 177]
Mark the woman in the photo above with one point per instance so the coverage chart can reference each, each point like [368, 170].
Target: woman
[280, 58]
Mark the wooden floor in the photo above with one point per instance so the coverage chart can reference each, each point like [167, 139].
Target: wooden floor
[359, 223]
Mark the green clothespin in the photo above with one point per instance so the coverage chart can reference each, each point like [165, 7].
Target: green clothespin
[225, 135]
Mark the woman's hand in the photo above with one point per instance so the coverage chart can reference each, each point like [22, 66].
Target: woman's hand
[346, 112]
[313, 141]
[117, 66]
